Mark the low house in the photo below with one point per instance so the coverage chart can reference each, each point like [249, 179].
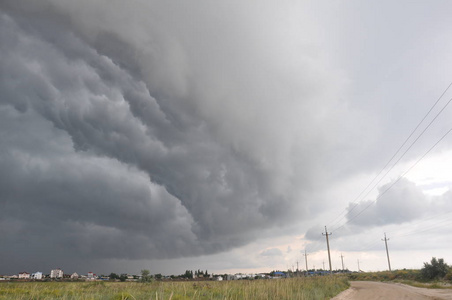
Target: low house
[239, 276]
[74, 276]
[279, 275]
[24, 275]
[36, 276]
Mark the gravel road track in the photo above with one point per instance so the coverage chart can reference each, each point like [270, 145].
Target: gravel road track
[370, 290]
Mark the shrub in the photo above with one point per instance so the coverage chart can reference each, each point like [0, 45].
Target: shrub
[436, 269]
[449, 275]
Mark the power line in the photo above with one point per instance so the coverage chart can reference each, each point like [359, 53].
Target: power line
[433, 226]
[436, 216]
[317, 245]
[398, 234]
[355, 201]
[393, 165]
[369, 246]
[397, 180]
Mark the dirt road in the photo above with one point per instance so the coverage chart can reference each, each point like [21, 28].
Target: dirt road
[369, 290]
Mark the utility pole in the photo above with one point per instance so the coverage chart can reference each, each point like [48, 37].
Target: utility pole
[297, 268]
[387, 252]
[323, 262]
[306, 259]
[342, 259]
[328, 246]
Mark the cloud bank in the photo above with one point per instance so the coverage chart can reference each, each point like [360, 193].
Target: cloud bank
[158, 130]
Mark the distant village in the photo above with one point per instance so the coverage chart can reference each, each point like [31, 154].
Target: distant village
[59, 275]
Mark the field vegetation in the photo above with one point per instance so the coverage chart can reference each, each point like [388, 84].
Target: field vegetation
[410, 277]
[322, 287]
[436, 274]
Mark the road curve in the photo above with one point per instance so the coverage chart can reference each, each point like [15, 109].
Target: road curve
[370, 290]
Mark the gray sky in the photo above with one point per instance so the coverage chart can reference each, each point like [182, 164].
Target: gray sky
[221, 136]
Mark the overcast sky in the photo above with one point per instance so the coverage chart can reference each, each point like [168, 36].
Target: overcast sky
[223, 135]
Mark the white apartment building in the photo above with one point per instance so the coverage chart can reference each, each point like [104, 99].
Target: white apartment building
[91, 276]
[57, 273]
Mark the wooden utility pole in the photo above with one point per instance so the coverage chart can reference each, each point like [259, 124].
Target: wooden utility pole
[306, 259]
[328, 246]
[387, 252]
[342, 259]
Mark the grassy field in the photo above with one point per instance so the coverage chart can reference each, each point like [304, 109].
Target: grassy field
[293, 288]
[410, 277]
[387, 276]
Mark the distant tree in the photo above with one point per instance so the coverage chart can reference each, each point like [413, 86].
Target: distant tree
[113, 276]
[145, 276]
[188, 274]
[123, 277]
[158, 276]
[437, 268]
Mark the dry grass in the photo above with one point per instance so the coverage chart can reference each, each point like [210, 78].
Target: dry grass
[293, 288]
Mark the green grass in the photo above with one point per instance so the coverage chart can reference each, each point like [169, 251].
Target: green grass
[409, 277]
[428, 285]
[294, 288]
[414, 275]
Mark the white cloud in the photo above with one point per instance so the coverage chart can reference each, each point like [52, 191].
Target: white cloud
[396, 203]
[272, 252]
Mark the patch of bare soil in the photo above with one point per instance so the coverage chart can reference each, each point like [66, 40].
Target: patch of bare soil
[369, 290]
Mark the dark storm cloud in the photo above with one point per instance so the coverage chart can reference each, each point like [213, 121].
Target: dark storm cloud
[129, 135]
[57, 203]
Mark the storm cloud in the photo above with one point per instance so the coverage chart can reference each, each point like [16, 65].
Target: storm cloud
[140, 132]
[181, 134]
